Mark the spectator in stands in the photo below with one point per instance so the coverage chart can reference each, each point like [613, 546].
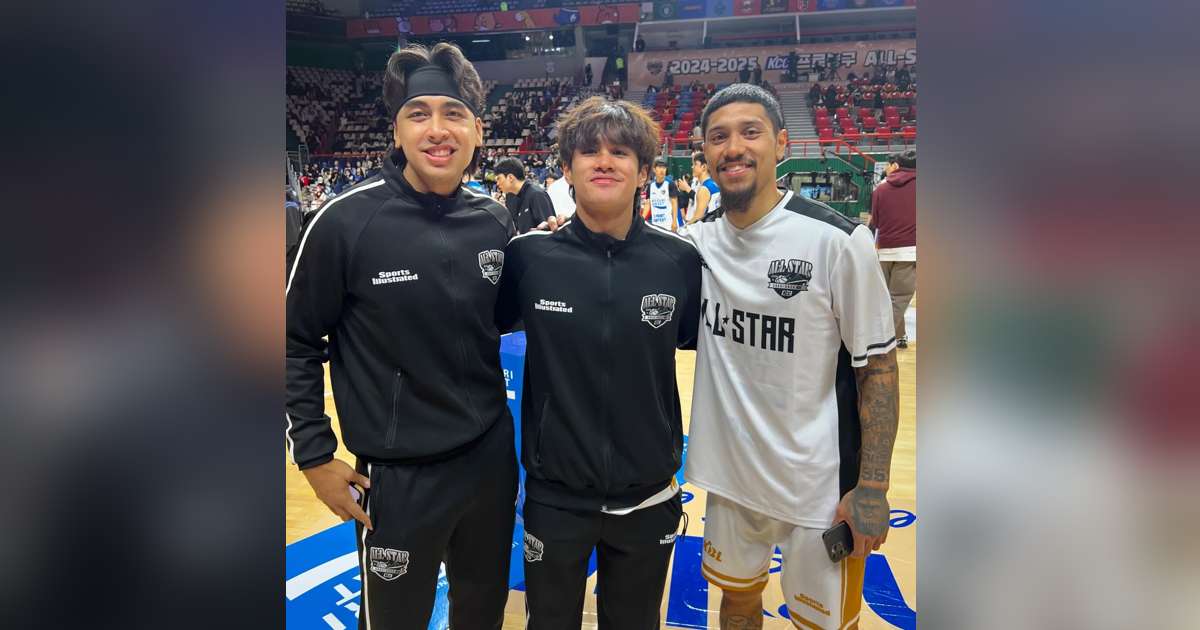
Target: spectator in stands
[756, 76]
[551, 177]
[814, 95]
[878, 102]
[527, 201]
[793, 67]
[903, 78]
[831, 97]
[852, 77]
[620, 65]
[640, 44]
[668, 80]
[744, 75]
[894, 217]
[587, 75]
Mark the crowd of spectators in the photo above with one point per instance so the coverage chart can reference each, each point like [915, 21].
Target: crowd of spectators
[325, 178]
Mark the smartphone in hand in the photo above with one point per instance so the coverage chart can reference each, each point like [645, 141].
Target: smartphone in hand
[839, 541]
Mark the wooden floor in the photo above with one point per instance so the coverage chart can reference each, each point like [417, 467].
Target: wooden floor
[307, 516]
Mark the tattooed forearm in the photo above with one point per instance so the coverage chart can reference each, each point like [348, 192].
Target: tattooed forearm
[878, 410]
[741, 622]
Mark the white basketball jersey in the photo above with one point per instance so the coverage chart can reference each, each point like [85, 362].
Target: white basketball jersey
[789, 306]
[660, 204]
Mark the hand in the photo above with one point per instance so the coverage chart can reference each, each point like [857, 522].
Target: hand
[331, 482]
[682, 184]
[866, 510]
[553, 223]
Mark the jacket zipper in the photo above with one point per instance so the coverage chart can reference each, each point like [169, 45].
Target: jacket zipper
[608, 367]
[462, 349]
[397, 383]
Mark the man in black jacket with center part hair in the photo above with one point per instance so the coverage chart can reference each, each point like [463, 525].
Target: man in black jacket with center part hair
[401, 274]
[605, 301]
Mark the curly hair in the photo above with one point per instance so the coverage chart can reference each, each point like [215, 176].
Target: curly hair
[618, 122]
[445, 55]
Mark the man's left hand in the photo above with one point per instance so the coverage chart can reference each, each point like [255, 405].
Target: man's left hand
[866, 510]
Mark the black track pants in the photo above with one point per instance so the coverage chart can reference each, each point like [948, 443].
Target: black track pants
[632, 554]
[459, 511]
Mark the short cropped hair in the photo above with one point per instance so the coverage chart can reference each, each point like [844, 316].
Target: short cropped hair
[698, 157]
[619, 122]
[510, 166]
[907, 159]
[445, 55]
[744, 93]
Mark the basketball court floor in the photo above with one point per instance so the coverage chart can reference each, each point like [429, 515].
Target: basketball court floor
[889, 594]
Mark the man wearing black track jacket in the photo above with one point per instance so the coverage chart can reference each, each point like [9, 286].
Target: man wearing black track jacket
[400, 273]
[605, 302]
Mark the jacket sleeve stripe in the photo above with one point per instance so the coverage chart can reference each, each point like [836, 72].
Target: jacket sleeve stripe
[671, 234]
[320, 213]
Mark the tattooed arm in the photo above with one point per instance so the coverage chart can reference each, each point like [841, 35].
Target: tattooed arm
[865, 507]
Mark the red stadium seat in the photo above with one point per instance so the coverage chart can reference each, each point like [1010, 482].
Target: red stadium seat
[909, 133]
[883, 135]
[843, 112]
[891, 110]
[912, 112]
[869, 123]
[893, 122]
[863, 112]
[851, 135]
[825, 134]
[819, 110]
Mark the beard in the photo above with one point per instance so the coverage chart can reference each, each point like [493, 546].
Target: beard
[737, 200]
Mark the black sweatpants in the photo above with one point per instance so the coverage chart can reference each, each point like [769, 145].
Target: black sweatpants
[459, 511]
[632, 554]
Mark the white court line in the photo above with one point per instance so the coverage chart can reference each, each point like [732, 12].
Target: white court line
[320, 574]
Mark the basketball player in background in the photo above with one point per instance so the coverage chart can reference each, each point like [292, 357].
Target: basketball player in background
[663, 198]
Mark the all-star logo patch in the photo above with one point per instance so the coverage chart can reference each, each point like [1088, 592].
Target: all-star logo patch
[787, 277]
[533, 548]
[491, 263]
[657, 309]
[388, 564]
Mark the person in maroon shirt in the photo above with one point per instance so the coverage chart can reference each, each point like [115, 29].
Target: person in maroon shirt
[894, 217]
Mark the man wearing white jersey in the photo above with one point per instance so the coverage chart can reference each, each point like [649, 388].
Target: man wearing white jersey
[795, 402]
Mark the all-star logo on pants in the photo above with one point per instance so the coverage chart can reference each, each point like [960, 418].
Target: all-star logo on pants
[533, 548]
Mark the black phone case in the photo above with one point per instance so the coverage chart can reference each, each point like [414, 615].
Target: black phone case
[839, 542]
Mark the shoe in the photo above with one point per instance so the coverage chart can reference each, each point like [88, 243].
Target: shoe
[902, 342]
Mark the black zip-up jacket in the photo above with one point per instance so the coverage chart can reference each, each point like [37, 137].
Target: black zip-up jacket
[404, 285]
[530, 206]
[601, 426]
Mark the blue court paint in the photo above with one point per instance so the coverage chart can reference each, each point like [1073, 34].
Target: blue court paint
[323, 588]
[687, 606]
[904, 519]
[882, 594]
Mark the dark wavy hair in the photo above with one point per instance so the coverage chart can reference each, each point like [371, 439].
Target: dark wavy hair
[619, 122]
[445, 55]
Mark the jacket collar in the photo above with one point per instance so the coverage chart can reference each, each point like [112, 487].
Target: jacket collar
[435, 204]
[603, 242]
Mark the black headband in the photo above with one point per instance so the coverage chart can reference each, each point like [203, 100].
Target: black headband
[432, 80]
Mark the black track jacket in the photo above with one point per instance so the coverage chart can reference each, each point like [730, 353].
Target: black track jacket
[404, 285]
[601, 426]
